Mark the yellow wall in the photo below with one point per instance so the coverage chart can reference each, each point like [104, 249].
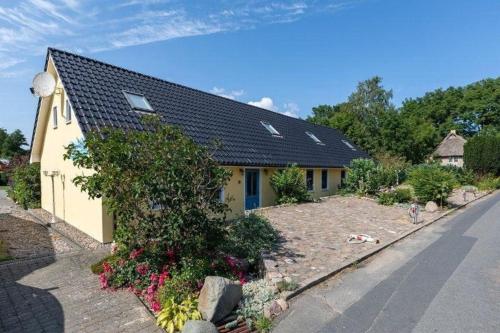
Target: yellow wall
[71, 205]
[235, 196]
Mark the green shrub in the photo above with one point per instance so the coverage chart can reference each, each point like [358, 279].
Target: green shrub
[289, 185]
[25, 187]
[386, 198]
[248, 237]
[363, 177]
[174, 314]
[403, 195]
[488, 183]
[263, 324]
[462, 176]
[431, 183]
[482, 153]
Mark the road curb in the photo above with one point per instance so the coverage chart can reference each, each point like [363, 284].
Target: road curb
[311, 282]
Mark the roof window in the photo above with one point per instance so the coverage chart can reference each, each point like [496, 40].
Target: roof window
[138, 102]
[349, 145]
[270, 128]
[315, 138]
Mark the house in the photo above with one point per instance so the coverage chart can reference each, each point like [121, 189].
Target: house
[451, 150]
[91, 95]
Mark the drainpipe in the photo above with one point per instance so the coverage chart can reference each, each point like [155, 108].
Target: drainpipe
[52, 174]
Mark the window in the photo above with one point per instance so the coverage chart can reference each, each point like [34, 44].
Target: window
[54, 117]
[315, 138]
[310, 180]
[349, 145]
[270, 128]
[324, 179]
[138, 102]
[342, 178]
[68, 112]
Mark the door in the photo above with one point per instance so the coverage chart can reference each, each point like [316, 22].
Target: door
[252, 188]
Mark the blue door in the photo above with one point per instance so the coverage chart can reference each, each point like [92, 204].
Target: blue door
[251, 188]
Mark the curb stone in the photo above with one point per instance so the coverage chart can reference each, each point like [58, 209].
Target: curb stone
[311, 282]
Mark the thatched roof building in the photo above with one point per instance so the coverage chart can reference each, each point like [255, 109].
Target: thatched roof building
[452, 145]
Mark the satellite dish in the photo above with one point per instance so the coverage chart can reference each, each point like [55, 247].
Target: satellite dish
[43, 84]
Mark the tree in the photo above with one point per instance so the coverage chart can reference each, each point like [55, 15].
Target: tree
[289, 185]
[12, 144]
[157, 183]
[482, 153]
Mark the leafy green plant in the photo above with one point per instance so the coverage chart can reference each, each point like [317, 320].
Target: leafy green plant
[431, 183]
[263, 324]
[289, 185]
[157, 183]
[255, 295]
[386, 198]
[364, 177]
[248, 236]
[97, 268]
[287, 285]
[462, 176]
[25, 188]
[488, 183]
[482, 153]
[403, 195]
[174, 315]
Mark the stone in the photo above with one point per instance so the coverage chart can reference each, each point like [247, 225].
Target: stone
[218, 297]
[431, 207]
[283, 304]
[272, 309]
[199, 326]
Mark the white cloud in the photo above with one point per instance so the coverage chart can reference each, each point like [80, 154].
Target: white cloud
[291, 109]
[233, 94]
[265, 103]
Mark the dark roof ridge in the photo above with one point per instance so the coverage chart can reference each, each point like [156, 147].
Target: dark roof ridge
[181, 85]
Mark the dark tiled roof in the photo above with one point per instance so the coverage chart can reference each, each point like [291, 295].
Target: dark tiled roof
[95, 90]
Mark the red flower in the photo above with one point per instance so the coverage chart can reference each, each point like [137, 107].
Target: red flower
[151, 289]
[171, 255]
[155, 306]
[103, 280]
[136, 253]
[163, 276]
[142, 269]
[154, 277]
[107, 267]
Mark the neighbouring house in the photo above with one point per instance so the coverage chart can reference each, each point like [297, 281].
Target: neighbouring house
[451, 150]
[91, 95]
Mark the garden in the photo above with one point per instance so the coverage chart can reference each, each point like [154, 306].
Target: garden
[173, 246]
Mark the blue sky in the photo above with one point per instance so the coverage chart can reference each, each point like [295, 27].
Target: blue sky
[285, 55]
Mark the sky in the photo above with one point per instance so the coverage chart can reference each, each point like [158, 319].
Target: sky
[284, 55]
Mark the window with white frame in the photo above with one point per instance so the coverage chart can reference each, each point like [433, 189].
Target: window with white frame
[68, 112]
[221, 194]
[54, 117]
[315, 138]
[310, 180]
[270, 128]
[324, 179]
[138, 101]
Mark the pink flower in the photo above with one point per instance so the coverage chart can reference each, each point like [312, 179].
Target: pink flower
[151, 289]
[154, 277]
[163, 277]
[142, 269]
[107, 267]
[103, 280]
[121, 262]
[155, 306]
[136, 253]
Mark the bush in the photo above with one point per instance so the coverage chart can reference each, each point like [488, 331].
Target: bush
[248, 237]
[462, 176]
[158, 184]
[3, 179]
[289, 185]
[174, 314]
[403, 195]
[482, 153]
[363, 177]
[431, 183]
[400, 195]
[25, 187]
[488, 183]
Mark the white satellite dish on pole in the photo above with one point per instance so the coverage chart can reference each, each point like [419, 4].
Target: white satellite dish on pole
[44, 84]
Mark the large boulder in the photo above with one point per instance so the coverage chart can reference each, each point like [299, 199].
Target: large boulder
[218, 297]
[199, 326]
[431, 207]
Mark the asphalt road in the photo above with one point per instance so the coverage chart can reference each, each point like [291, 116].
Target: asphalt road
[445, 278]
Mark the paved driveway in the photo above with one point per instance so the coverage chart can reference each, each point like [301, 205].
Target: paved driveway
[445, 278]
[60, 293]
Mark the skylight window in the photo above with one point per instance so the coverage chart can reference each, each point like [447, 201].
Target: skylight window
[138, 102]
[315, 138]
[270, 128]
[349, 145]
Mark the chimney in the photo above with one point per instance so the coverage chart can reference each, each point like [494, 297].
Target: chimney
[453, 132]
